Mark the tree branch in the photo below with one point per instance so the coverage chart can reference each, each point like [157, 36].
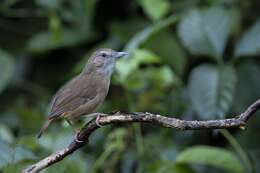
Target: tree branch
[150, 118]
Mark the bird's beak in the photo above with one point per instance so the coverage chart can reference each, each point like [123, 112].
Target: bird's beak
[119, 54]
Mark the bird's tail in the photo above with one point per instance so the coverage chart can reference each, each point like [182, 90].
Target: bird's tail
[44, 127]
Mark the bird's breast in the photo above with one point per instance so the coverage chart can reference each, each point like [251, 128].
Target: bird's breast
[99, 87]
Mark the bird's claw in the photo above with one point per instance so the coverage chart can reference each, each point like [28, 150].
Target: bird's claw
[97, 121]
[77, 139]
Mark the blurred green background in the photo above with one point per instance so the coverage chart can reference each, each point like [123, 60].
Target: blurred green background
[190, 59]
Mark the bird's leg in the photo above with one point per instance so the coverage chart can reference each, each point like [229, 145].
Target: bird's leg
[72, 126]
[98, 116]
[75, 130]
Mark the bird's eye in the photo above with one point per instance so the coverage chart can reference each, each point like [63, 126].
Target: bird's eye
[103, 55]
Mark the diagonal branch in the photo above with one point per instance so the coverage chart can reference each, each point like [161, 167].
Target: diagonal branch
[149, 118]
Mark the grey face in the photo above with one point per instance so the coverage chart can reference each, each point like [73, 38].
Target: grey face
[104, 60]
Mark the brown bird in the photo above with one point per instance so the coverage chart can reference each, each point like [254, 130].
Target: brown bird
[85, 92]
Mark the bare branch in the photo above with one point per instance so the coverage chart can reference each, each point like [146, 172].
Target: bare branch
[148, 118]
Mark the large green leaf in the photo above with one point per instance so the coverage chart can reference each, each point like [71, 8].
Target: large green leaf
[45, 41]
[125, 66]
[140, 56]
[169, 50]
[12, 155]
[157, 78]
[6, 134]
[5, 154]
[77, 15]
[155, 9]
[122, 31]
[205, 32]
[6, 69]
[239, 150]
[145, 34]
[248, 86]
[249, 44]
[49, 3]
[174, 168]
[211, 89]
[20, 153]
[114, 145]
[212, 156]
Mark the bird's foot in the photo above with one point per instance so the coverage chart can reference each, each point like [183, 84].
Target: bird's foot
[76, 138]
[97, 120]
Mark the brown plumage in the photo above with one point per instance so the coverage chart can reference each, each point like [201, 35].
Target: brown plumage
[85, 92]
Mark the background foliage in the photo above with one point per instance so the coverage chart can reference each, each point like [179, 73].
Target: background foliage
[191, 59]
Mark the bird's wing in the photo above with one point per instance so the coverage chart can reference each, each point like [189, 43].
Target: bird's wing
[71, 96]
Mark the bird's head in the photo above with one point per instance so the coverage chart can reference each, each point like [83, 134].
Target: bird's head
[103, 61]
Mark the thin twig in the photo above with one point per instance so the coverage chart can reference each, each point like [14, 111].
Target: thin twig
[149, 118]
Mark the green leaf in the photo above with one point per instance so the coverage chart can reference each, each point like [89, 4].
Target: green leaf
[45, 41]
[211, 89]
[211, 156]
[162, 76]
[28, 141]
[247, 88]
[49, 3]
[168, 167]
[205, 32]
[55, 27]
[21, 153]
[155, 9]
[6, 69]
[145, 34]
[62, 139]
[125, 66]
[6, 134]
[11, 168]
[124, 30]
[140, 56]
[5, 154]
[80, 15]
[169, 50]
[239, 150]
[69, 24]
[115, 144]
[12, 155]
[249, 44]
[157, 78]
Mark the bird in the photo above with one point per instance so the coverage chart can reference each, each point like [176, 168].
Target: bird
[84, 93]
